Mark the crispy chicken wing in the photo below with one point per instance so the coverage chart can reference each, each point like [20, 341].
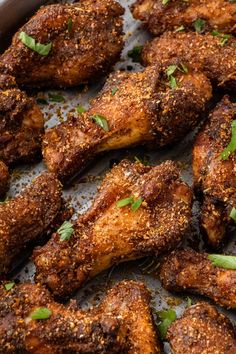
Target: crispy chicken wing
[214, 55]
[202, 329]
[86, 40]
[4, 179]
[143, 110]
[188, 270]
[213, 176]
[108, 234]
[122, 323]
[159, 17]
[21, 124]
[27, 217]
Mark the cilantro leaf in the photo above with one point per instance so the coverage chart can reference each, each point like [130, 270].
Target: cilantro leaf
[66, 231]
[166, 318]
[222, 261]
[41, 313]
[123, 202]
[199, 25]
[136, 204]
[80, 109]
[114, 90]
[29, 42]
[232, 145]
[135, 53]
[101, 121]
[9, 286]
[53, 97]
[233, 214]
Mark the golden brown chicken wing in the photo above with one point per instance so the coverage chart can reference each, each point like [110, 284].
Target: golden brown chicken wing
[213, 55]
[122, 323]
[202, 329]
[203, 15]
[21, 124]
[4, 179]
[24, 219]
[214, 171]
[132, 109]
[68, 45]
[191, 271]
[139, 211]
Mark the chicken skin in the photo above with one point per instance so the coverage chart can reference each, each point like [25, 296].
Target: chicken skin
[143, 109]
[213, 55]
[214, 175]
[122, 323]
[21, 124]
[153, 221]
[210, 15]
[84, 39]
[4, 179]
[24, 219]
[191, 271]
[202, 329]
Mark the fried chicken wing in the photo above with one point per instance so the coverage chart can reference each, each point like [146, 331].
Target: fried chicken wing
[122, 323]
[202, 329]
[191, 271]
[108, 234]
[143, 110]
[86, 39]
[21, 124]
[27, 217]
[213, 176]
[4, 179]
[213, 55]
[159, 17]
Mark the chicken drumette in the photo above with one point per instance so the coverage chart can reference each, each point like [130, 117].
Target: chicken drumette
[214, 170]
[202, 329]
[82, 41]
[213, 55]
[4, 179]
[122, 323]
[151, 221]
[204, 15]
[132, 109]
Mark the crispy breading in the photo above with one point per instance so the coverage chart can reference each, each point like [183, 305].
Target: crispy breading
[188, 270]
[107, 234]
[86, 40]
[143, 110]
[26, 218]
[4, 179]
[213, 55]
[213, 177]
[158, 17]
[122, 323]
[202, 329]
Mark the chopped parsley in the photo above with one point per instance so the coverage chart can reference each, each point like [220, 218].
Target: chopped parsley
[9, 286]
[222, 261]
[179, 29]
[233, 214]
[66, 231]
[101, 121]
[80, 109]
[232, 144]
[189, 302]
[55, 98]
[165, 2]
[171, 70]
[166, 318]
[70, 25]
[135, 204]
[41, 313]
[199, 25]
[224, 38]
[29, 42]
[114, 90]
[135, 53]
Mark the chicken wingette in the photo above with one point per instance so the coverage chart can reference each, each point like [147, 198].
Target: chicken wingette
[4, 179]
[132, 109]
[188, 270]
[139, 211]
[202, 329]
[66, 44]
[122, 323]
[213, 55]
[160, 16]
[214, 162]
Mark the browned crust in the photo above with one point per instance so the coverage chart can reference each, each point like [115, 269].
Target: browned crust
[4, 179]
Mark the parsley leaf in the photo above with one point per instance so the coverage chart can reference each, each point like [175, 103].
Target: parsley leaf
[29, 42]
[55, 98]
[41, 313]
[223, 37]
[9, 286]
[135, 53]
[114, 90]
[135, 204]
[166, 318]
[222, 261]
[179, 29]
[66, 231]
[199, 25]
[101, 121]
[165, 2]
[70, 25]
[80, 109]
[233, 214]
[189, 302]
[171, 70]
[232, 145]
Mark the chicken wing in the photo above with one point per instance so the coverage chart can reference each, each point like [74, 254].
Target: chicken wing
[82, 41]
[21, 124]
[4, 179]
[152, 220]
[122, 323]
[132, 109]
[188, 270]
[24, 219]
[215, 175]
[214, 55]
[159, 16]
[202, 329]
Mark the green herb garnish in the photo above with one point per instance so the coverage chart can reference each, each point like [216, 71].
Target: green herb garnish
[9, 286]
[29, 42]
[165, 2]
[55, 98]
[233, 214]
[80, 109]
[189, 302]
[135, 53]
[66, 231]
[114, 90]
[223, 37]
[171, 70]
[135, 204]
[143, 160]
[222, 261]
[41, 101]
[199, 25]
[179, 29]
[232, 145]
[101, 121]
[41, 313]
[166, 318]
[70, 25]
